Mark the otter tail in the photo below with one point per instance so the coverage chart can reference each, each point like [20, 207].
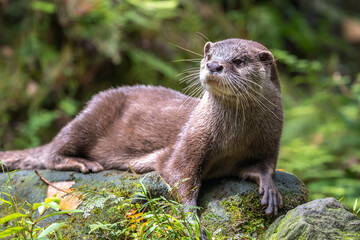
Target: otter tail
[32, 158]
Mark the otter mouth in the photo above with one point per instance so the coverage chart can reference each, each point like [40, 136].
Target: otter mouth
[213, 82]
[218, 87]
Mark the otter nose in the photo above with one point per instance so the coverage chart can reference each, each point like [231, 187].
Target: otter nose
[214, 67]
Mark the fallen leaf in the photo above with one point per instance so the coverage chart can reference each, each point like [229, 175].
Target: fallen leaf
[68, 201]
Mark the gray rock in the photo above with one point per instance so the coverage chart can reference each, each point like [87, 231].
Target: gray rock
[231, 207]
[319, 219]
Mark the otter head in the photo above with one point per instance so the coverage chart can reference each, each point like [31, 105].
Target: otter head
[237, 68]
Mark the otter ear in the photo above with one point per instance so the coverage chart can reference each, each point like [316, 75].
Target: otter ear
[207, 47]
[266, 57]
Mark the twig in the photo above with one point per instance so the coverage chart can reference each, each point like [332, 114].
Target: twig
[52, 185]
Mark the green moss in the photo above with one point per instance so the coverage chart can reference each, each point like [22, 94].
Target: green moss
[246, 215]
[108, 207]
[240, 216]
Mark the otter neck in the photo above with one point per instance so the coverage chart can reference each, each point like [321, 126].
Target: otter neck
[220, 105]
[227, 116]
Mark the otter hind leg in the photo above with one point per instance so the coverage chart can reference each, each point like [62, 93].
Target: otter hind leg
[71, 147]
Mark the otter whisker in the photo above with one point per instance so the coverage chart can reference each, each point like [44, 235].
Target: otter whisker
[190, 71]
[267, 100]
[198, 54]
[188, 60]
[196, 92]
[195, 87]
[186, 103]
[239, 99]
[189, 77]
[203, 37]
[242, 87]
[232, 88]
[193, 68]
[252, 82]
[187, 73]
[252, 96]
[191, 87]
[191, 82]
[263, 105]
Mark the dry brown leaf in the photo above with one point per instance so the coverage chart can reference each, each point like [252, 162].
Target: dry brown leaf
[67, 200]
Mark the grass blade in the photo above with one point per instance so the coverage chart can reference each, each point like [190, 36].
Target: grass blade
[50, 229]
[355, 205]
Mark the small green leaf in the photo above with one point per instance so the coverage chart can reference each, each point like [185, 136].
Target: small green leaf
[11, 231]
[11, 217]
[52, 205]
[36, 205]
[29, 222]
[50, 229]
[355, 205]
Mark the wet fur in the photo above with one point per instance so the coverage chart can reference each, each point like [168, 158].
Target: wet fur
[233, 130]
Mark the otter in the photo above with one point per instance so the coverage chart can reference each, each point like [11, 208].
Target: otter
[234, 129]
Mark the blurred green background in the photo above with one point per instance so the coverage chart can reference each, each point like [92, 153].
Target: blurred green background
[55, 54]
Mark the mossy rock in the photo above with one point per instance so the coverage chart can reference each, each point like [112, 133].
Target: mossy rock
[230, 207]
[321, 219]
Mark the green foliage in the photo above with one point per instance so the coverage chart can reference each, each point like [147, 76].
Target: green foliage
[23, 222]
[148, 218]
[321, 135]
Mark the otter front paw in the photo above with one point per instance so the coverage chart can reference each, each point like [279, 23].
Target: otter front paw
[271, 198]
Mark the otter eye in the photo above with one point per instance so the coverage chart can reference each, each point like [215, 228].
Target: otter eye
[238, 61]
[208, 57]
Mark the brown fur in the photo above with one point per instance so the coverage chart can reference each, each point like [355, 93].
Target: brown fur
[233, 130]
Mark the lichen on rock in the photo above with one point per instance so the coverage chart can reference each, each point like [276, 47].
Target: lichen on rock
[321, 219]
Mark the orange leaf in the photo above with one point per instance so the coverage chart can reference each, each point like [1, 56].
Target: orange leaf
[67, 201]
[138, 215]
[146, 223]
[131, 213]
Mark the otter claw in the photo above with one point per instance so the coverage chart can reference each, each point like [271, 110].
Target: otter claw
[272, 198]
[94, 167]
